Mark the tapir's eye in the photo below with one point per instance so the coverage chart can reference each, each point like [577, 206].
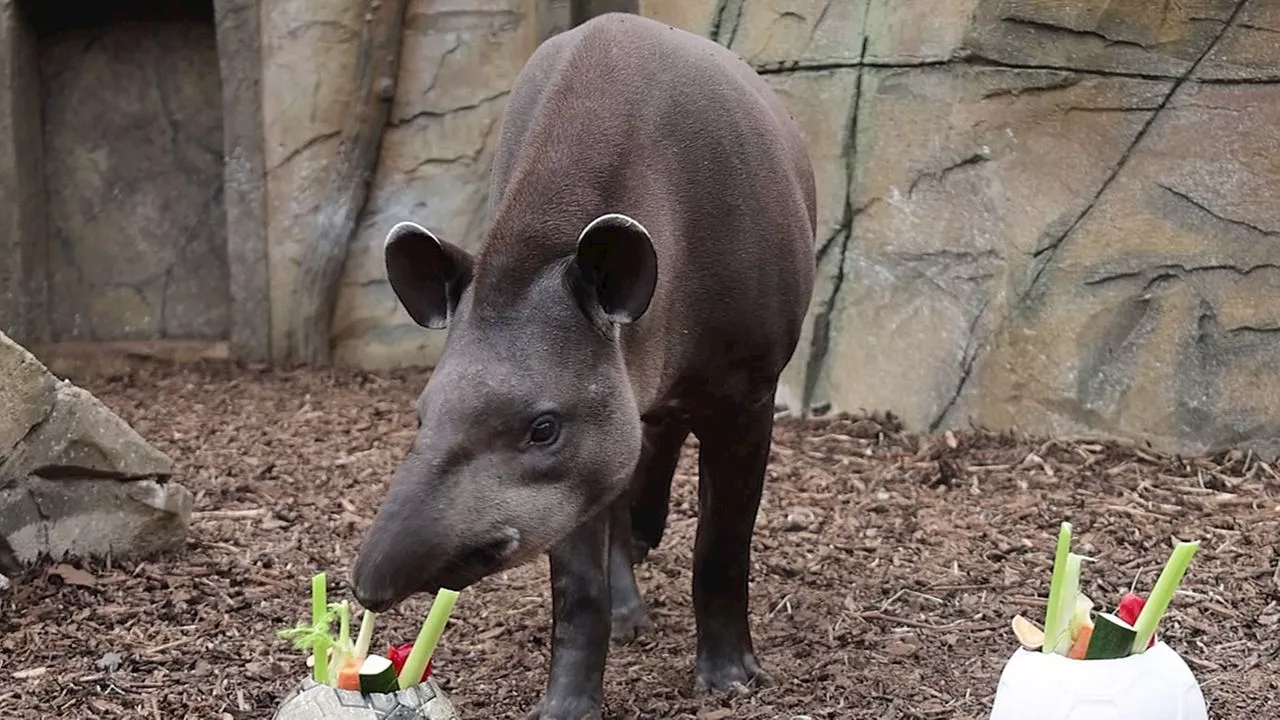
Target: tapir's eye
[544, 430]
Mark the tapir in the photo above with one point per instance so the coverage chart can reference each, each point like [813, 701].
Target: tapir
[645, 274]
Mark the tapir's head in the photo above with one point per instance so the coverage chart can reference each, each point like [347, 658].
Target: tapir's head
[528, 425]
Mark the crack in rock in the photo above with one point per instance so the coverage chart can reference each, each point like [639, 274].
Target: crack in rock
[318, 139]
[1259, 80]
[1258, 28]
[1112, 109]
[1215, 214]
[1065, 79]
[968, 358]
[938, 175]
[469, 158]
[822, 16]
[820, 343]
[1159, 273]
[728, 15]
[843, 228]
[422, 114]
[976, 58]
[1052, 28]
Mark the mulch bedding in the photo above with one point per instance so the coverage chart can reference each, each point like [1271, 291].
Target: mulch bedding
[886, 567]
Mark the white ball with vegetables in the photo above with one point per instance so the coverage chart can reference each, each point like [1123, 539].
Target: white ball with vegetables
[1153, 685]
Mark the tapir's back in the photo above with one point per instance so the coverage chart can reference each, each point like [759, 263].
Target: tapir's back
[624, 114]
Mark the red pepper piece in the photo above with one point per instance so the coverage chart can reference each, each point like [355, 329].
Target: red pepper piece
[398, 654]
[1130, 608]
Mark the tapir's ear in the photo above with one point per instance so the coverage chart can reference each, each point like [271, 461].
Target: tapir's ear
[617, 266]
[427, 274]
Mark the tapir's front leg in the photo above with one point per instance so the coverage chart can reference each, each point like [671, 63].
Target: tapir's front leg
[580, 608]
[732, 460]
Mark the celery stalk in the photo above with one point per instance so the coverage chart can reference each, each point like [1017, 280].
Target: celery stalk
[1162, 593]
[1070, 595]
[1057, 614]
[428, 636]
[366, 635]
[342, 648]
[319, 617]
[344, 623]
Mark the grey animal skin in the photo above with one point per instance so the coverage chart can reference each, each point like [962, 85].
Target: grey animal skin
[313, 701]
[645, 275]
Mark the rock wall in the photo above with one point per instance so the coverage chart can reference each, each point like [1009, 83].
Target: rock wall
[1059, 216]
[1053, 216]
[133, 158]
[459, 60]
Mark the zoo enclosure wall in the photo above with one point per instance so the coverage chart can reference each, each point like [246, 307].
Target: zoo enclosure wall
[1055, 217]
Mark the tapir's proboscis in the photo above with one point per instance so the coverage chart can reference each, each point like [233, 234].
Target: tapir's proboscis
[645, 274]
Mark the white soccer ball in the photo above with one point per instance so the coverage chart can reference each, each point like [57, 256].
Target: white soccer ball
[1154, 685]
[313, 701]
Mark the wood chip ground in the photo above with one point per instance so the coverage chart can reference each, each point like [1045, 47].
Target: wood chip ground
[885, 570]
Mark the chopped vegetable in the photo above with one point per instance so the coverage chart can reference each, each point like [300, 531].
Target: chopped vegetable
[1162, 593]
[1111, 638]
[366, 635]
[1130, 607]
[428, 636]
[349, 675]
[342, 649]
[319, 614]
[1030, 636]
[1080, 645]
[377, 675]
[336, 662]
[399, 653]
[1080, 615]
[1071, 592]
[315, 637]
[1071, 627]
[1055, 619]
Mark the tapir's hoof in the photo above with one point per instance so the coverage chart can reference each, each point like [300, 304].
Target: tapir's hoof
[629, 625]
[737, 677]
[569, 710]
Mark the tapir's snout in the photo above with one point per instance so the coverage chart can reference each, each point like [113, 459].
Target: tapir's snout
[400, 559]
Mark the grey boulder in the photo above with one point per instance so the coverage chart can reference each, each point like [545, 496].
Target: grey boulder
[75, 479]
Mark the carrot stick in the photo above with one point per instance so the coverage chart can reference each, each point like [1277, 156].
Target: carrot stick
[349, 675]
[1081, 644]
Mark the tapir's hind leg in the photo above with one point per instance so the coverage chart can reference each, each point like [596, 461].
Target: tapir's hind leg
[646, 504]
[732, 458]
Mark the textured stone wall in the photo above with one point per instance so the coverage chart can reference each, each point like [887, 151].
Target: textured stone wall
[133, 171]
[1056, 216]
[459, 60]
[1059, 216]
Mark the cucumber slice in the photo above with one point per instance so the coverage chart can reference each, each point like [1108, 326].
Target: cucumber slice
[378, 675]
[1112, 638]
